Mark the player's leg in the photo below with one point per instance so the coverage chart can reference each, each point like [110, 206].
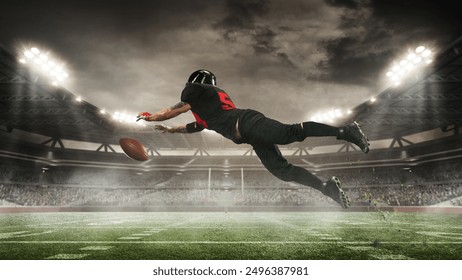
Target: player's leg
[260, 129]
[272, 159]
[351, 133]
[256, 128]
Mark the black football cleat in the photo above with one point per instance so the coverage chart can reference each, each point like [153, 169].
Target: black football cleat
[353, 134]
[333, 189]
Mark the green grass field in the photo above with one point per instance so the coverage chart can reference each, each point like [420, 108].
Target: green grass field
[266, 236]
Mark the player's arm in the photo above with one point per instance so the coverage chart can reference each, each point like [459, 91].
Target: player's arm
[188, 128]
[165, 114]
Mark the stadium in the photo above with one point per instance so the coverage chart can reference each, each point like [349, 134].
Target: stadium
[69, 192]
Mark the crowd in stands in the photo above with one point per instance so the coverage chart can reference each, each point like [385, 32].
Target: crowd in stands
[43, 195]
[89, 177]
[36, 186]
[407, 195]
[456, 201]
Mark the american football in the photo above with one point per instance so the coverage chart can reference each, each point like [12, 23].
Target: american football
[133, 149]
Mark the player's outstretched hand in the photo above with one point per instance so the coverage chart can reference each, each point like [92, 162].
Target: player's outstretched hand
[162, 128]
[143, 116]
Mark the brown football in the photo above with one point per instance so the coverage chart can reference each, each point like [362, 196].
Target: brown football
[134, 149]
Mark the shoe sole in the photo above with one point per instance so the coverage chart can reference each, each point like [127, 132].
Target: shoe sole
[366, 149]
[345, 201]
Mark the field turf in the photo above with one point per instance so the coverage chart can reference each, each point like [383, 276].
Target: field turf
[196, 236]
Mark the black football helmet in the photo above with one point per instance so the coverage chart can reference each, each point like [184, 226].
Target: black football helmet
[203, 77]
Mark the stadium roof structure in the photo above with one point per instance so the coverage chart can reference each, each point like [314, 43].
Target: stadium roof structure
[430, 100]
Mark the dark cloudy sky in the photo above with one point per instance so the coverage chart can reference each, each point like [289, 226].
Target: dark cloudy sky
[287, 58]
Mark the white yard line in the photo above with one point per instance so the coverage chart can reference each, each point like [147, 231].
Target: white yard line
[96, 248]
[17, 234]
[451, 235]
[67, 257]
[221, 242]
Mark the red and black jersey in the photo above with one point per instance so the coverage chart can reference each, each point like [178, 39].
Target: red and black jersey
[212, 108]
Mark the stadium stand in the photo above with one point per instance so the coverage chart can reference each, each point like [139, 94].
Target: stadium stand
[425, 185]
[65, 154]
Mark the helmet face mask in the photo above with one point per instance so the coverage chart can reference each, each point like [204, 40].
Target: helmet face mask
[203, 77]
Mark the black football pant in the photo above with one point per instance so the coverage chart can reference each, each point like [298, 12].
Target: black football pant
[264, 134]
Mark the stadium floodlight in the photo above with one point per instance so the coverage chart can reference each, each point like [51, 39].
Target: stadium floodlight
[43, 63]
[413, 60]
[34, 50]
[127, 118]
[329, 116]
[420, 49]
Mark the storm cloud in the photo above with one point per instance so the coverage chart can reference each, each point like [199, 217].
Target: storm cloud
[305, 55]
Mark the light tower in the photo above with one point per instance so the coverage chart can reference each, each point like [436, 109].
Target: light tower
[412, 61]
[46, 66]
